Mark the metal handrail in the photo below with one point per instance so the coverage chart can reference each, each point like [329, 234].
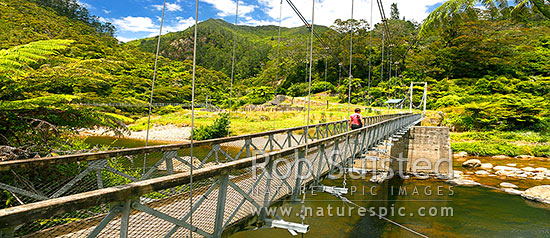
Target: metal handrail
[37, 162]
[14, 216]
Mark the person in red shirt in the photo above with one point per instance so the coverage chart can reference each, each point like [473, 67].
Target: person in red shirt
[356, 120]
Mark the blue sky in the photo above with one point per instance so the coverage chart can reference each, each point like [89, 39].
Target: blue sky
[136, 19]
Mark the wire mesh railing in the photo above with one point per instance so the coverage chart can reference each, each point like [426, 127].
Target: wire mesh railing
[79, 195]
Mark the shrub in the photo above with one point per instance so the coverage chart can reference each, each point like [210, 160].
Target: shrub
[220, 128]
[297, 90]
[317, 87]
[167, 109]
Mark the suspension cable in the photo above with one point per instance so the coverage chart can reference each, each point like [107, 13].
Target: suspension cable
[370, 52]
[305, 22]
[302, 212]
[278, 55]
[306, 78]
[193, 111]
[326, 72]
[390, 85]
[153, 87]
[233, 62]
[382, 63]
[310, 69]
[388, 54]
[350, 58]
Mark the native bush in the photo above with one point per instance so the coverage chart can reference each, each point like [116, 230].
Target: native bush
[219, 129]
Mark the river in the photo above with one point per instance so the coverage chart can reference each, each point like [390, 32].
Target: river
[476, 212]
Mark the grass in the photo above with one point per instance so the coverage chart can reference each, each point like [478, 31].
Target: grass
[511, 143]
[247, 122]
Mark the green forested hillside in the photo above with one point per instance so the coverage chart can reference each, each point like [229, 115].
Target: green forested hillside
[255, 45]
[52, 87]
[490, 70]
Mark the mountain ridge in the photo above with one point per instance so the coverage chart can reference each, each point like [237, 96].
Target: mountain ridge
[255, 45]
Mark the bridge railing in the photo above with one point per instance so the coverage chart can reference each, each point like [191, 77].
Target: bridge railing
[223, 194]
[39, 179]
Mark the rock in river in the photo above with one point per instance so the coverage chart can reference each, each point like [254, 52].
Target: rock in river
[542, 170]
[457, 174]
[500, 157]
[528, 169]
[461, 154]
[472, 163]
[508, 185]
[513, 191]
[486, 166]
[462, 182]
[505, 168]
[538, 193]
[482, 173]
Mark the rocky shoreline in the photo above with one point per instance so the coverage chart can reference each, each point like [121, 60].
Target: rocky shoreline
[507, 175]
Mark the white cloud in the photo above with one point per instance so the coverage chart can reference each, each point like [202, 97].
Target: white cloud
[326, 11]
[170, 7]
[135, 24]
[229, 7]
[180, 25]
[106, 11]
[125, 39]
[132, 28]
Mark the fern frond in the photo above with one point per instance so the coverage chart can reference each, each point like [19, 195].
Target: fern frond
[543, 6]
[18, 58]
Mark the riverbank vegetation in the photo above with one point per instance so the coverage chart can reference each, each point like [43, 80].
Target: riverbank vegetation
[510, 143]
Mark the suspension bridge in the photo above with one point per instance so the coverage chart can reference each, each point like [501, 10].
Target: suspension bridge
[202, 188]
[224, 190]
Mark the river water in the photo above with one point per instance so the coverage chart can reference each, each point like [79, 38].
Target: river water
[430, 207]
[476, 212]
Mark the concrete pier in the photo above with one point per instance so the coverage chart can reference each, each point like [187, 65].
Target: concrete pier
[421, 150]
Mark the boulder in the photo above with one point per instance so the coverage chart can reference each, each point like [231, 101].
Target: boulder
[538, 193]
[525, 156]
[522, 176]
[277, 100]
[500, 157]
[540, 169]
[482, 173]
[472, 163]
[512, 165]
[508, 185]
[513, 191]
[457, 174]
[486, 166]
[462, 182]
[503, 173]
[461, 154]
[528, 169]
[505, 168]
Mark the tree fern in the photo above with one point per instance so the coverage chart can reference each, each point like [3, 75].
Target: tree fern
[454, 10]
[18, 59]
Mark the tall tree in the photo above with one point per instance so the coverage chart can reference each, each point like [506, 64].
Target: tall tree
[394, 11]
[455, 10]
